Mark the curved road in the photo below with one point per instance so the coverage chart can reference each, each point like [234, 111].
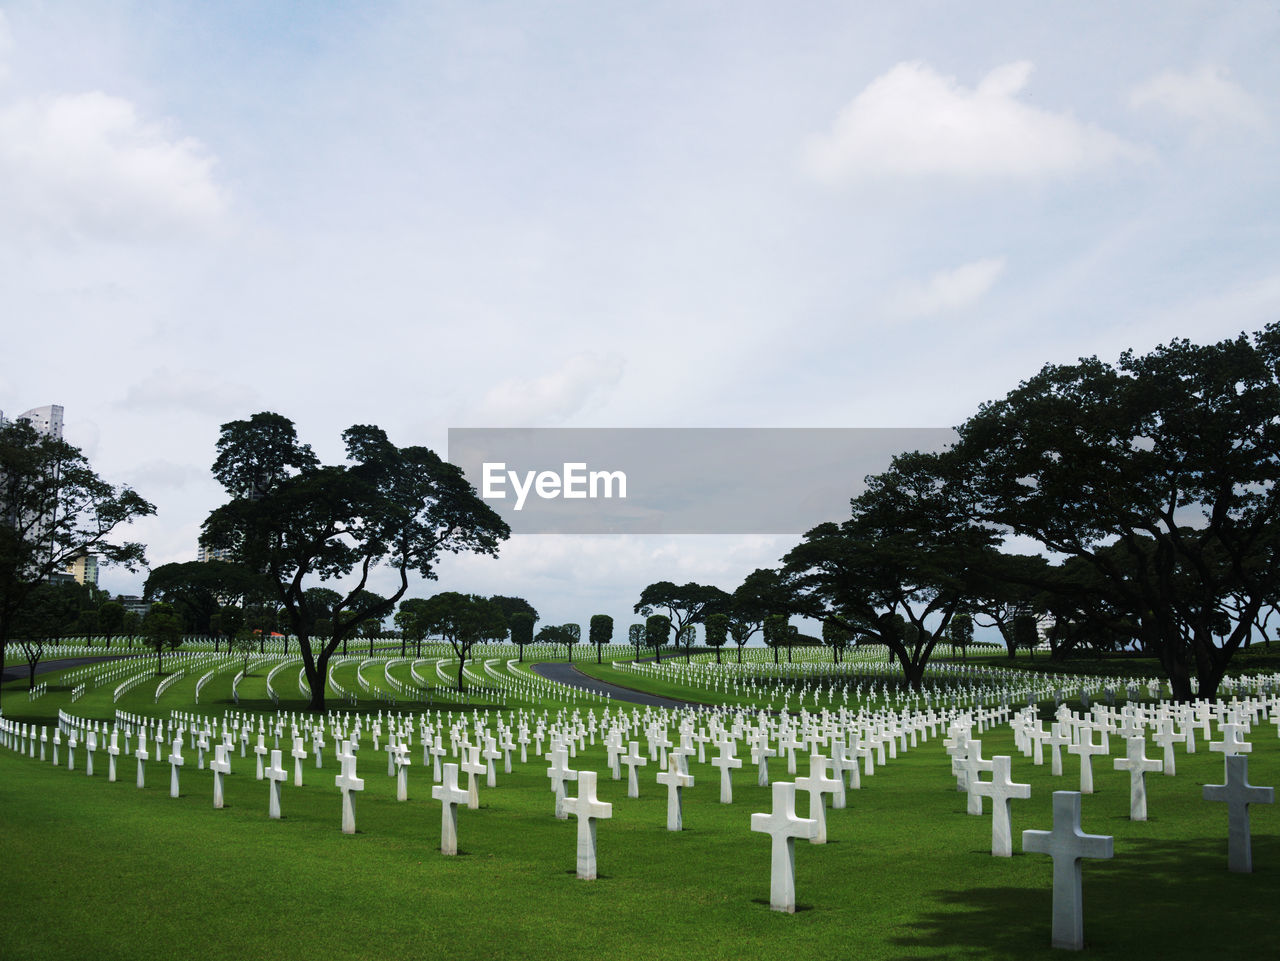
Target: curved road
[566, 673]
[16, 671]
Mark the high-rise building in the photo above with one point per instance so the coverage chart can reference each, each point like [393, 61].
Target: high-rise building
[84, 569]
[46, 419]
[212, 554]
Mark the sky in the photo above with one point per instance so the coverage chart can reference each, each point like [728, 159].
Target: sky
[581, 214]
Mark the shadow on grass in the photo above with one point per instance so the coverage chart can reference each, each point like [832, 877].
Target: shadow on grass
[1151, 900]
[764, 902]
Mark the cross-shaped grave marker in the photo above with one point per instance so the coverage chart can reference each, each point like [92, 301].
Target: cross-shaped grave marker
[1002, 790]
[113, 751]
[633, 759]
[676, 781]
[348, 783]
[726, 762]
[782, 825]
[1086, 749]
[817, 783]
[559, 773]
[1166, 738]
[221, 766]
[175, 762]
[450, 796]
[1238, 794]
[1137, 764]
[1233, 742]
[588, 809]
[402, 771]
[141, 754]
[299, 754]
[1067, 845]
[277, 775]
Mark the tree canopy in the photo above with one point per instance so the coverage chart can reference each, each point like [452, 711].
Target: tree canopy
[298, 521]
[54, 508]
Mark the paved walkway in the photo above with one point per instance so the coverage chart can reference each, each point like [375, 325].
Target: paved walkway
[566, 673]
[15, 671]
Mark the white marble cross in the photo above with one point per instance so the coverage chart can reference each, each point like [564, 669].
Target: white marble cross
[391, 753]
[490, 754]
[1086, 749]
[1056, 740]
[450, 796]
[299, 754]
[1232, 742]
[438, 750]
[972, 764]
[347, 783]
[1137, 764]
[761, 751]
[472, 767]
[783, 827]
[633, 759]
[402, 771]
[277, 775]
[559, 773]
[1238, 794]
[726, 762]
[141, 754]
[1067, 844]
[587, 808]
[113, 751]
[1166, 738]
[676, 781]
[1002, 790]
[817, 783]
[175, 762]
[220, 765]
[261, 751]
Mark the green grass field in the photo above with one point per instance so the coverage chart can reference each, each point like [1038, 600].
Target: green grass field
[104, 870]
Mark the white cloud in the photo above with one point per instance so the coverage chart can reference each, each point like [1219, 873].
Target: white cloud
[913, 121]
[950, 289]
[87, 164]
[1206, 99]
[581, 381]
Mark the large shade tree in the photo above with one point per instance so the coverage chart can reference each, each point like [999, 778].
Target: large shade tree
[54, 508]
[197, 590]
[683, 604]
[297, 522]
[897, 570]
[1158, 473]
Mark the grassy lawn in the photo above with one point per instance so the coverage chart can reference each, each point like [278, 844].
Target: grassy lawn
[100, 870]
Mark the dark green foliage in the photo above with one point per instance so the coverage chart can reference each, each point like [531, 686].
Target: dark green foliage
[521, 625]
[657, 631]
[716, 632]
[600, 632]
[163, 630]
[53, 508]
[297, 520]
